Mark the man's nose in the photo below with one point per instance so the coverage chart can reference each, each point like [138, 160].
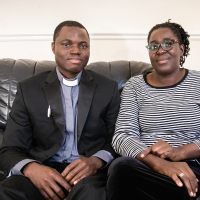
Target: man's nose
[75, 49]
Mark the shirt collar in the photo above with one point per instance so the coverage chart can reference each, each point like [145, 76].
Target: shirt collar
[60, 76]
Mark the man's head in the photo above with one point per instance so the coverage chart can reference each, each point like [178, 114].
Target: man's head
[68, 23]
[71, 47]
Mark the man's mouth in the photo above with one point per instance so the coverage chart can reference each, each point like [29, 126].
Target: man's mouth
[74, 60]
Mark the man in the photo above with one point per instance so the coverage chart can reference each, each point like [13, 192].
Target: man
[64, 120]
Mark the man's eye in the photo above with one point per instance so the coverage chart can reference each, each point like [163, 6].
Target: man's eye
[66, 45]
[83, 46]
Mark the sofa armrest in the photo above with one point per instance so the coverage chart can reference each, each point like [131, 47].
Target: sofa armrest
[1, 136]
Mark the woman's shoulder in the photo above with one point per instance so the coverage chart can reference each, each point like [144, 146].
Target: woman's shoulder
[135, 83]
[136, 79]
[193, 75]
[194, 72]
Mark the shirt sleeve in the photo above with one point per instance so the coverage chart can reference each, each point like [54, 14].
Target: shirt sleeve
[197, 142]
[126, 140]
[105, 156]
[16, 170]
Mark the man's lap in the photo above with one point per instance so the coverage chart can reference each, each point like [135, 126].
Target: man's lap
[19, 187]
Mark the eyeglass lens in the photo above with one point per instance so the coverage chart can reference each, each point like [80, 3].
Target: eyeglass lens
[166, 45]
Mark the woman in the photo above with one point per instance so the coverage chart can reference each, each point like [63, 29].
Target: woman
[158, 127]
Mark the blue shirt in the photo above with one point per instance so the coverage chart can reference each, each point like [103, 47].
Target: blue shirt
[68, 151]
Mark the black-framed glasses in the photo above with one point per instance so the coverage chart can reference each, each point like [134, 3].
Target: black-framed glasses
[166, 46]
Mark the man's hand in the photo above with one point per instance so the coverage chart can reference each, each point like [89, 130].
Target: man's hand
[81, 168]
[47, 181]
[164, 150]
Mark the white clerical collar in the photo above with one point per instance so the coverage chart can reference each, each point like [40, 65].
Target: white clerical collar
[70, 83]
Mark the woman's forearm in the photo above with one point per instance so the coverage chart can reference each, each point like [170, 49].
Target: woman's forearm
[188, 151]
[152, 161]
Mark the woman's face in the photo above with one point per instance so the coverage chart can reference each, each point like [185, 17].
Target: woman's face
[165, 62]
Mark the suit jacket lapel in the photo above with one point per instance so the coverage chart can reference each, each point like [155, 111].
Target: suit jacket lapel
[86, 92]
[53, 95]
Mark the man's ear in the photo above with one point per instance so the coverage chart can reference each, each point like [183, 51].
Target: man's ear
[53, 47]
[182, 48]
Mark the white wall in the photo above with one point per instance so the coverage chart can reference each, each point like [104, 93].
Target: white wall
[118, 28]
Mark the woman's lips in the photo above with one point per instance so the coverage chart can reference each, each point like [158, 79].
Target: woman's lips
[162, 61]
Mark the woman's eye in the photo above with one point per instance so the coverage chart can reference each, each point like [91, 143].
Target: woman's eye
[153, 47]
[167, 44]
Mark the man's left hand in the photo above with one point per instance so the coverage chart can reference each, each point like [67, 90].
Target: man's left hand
[81, 168]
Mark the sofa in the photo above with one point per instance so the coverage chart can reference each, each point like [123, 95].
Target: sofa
[12, 71]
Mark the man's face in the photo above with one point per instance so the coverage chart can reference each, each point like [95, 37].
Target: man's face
[72, 50]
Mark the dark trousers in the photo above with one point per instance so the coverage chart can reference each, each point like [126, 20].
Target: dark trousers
[129, 179]
[21, 188]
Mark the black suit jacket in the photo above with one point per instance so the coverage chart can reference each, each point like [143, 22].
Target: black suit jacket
[31, 134]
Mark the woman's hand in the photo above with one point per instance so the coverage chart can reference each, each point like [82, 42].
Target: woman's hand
[163, 149]
[181, 171]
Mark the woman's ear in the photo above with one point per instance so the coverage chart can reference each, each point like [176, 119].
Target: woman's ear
[182, 48]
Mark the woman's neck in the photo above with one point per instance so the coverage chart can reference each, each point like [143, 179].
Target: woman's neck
[163, 80]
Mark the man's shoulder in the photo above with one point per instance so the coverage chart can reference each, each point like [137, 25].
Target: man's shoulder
[41, 77]
[99, 78]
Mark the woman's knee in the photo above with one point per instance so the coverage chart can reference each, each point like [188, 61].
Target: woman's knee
[123, 164]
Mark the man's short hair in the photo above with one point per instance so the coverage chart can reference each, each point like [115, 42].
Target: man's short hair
[67, 23]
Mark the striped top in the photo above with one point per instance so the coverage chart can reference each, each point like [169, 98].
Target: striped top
[149, 114]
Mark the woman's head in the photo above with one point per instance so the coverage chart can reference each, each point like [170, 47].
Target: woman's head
[179, 32]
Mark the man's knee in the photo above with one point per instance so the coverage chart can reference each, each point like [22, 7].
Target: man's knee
[91, 187]
[18, 187]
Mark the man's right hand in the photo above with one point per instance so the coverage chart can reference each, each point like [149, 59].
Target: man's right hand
[47, 181]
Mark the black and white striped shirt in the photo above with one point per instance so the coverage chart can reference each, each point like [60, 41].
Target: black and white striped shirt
[149, 114]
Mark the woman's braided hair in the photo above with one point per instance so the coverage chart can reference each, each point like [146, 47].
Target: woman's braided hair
[181, 34]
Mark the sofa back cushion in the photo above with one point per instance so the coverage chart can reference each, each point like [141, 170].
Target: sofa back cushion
[12, 71]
